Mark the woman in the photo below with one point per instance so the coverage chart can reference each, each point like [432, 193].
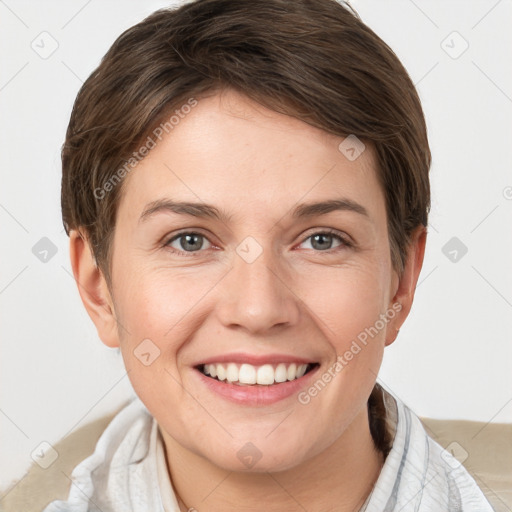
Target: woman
[245, 186]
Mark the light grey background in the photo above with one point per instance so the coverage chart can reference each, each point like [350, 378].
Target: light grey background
[453, 356]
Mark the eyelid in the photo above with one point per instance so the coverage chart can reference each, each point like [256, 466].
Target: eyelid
[346, 240]
[166, 241]
[185, 231]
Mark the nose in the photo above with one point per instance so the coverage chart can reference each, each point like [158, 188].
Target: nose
[258, 296]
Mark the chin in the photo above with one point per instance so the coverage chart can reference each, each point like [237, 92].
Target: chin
[258, 456]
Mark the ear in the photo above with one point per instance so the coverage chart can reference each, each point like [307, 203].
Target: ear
[405, 285]
[93, 288]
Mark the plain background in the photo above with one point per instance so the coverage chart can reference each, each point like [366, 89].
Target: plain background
[452, 358]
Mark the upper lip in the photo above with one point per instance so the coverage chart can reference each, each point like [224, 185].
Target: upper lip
[254, 359]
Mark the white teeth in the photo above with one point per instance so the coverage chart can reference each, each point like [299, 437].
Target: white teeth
[232, 372]
[301, 370]
[281, 374]
[221, 372]
[265, 375]
[247, 374]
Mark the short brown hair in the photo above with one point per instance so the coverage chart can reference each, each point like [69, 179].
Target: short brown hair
[314, 60]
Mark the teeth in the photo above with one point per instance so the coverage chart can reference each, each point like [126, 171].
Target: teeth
[301, 370]
[265, 375]
[281, 374]
[247, 374]
[292, 371]
[221, 372]
[232, 372]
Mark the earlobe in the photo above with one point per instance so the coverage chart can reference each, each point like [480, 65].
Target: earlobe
[407, 282]
[93, 288]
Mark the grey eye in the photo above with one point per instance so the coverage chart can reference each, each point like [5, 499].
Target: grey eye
[188, 242]
[323, 241]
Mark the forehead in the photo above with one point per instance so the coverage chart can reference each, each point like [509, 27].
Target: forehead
[231, 151]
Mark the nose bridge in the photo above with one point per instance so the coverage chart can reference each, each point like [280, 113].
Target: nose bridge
[257, 296]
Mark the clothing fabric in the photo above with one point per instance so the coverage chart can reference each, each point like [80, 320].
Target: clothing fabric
[128, 472]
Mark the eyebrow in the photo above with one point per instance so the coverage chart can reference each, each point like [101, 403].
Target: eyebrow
[324, 207]
[203, 210]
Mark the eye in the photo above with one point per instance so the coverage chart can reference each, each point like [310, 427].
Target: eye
[323, 240]
[187, 242]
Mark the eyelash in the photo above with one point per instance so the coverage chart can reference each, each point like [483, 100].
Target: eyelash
[343, 239]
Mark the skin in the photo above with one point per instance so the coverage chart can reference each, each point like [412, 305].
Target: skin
[295, 298]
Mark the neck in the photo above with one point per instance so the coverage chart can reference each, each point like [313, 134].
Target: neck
[339, 478]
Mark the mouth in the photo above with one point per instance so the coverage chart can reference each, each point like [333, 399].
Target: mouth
[250, 375]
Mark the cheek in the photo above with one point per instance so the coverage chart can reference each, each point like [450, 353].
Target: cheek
[348, 305]
[158, 310]
[345, 301]
[347, 309]
[156, 317]
[158, 301]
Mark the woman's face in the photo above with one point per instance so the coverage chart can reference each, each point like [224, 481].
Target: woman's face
[254, 283]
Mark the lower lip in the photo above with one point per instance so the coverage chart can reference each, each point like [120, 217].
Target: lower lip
[256, 394]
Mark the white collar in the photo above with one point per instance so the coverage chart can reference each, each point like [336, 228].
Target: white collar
[169, 501]
[128, 470]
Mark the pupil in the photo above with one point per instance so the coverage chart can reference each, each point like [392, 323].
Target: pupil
[188, 244]
[322, 237]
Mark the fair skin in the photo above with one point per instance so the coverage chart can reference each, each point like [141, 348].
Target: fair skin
[297, 298]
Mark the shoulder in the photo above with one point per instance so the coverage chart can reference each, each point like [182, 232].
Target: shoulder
[38, 487]
[482, 450]
[422, 473]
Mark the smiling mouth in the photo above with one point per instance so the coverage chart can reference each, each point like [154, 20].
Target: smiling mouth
[249, 375]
